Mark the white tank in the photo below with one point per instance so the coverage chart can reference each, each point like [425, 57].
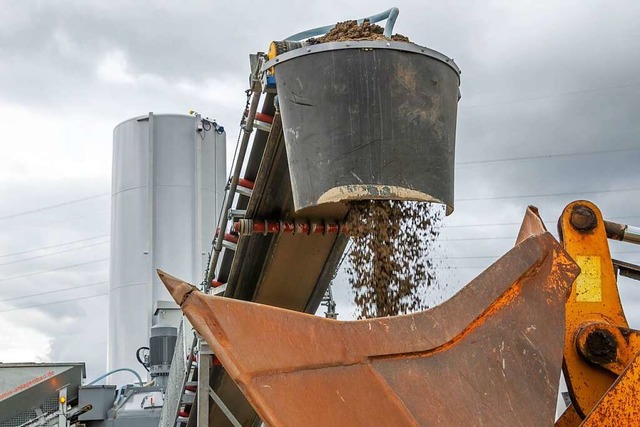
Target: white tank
[169, 175]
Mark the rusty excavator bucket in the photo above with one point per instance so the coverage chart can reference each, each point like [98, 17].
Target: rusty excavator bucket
[490, 355]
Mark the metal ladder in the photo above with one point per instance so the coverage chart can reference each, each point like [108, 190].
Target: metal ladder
[198, 374]
[233, 187]
[185, 398]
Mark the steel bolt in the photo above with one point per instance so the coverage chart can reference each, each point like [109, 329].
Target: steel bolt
[601, 346]
[583, 218]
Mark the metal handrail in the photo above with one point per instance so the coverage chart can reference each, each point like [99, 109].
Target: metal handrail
[247, 129]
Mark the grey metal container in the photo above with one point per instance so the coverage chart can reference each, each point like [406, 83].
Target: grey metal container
[368, 120]
[100, 397]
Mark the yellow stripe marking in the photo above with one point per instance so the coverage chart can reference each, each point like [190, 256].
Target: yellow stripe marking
[589, 282]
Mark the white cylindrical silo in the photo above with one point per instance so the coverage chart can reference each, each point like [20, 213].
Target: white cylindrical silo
[168, 184]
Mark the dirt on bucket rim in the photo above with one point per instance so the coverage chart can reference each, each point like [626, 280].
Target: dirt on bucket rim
[350, 30]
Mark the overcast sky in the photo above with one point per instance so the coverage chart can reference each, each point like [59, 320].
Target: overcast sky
[555, 84]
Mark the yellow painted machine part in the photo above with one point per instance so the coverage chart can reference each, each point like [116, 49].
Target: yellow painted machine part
[569, 418]
[594, 298]
[271, 54]
[620, 407]
[273, 51]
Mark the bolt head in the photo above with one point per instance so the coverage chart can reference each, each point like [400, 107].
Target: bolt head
[601, 346]
[583, 218]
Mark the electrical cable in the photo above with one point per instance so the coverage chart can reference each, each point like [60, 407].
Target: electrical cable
[498, 256]
[548, 156]
[519, 223]
[557, 95]
[67, 220]
[53, 246]
[55, 291]
[6, 279]
[54, 253]
[68, 300]
[142, 362]
[477, 238]
[573, 193]
[44, 208]
[55, 302]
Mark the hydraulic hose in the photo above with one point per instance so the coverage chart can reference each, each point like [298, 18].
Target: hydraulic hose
[101, 377]
[390, 15]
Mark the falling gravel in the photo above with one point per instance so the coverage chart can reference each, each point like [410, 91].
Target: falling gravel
[390, 264]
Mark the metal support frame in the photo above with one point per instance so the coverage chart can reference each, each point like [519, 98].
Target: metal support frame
[330, 303]
[62, 407]
[204, 369]
[626, 269]
[205, 362]
[233, 420]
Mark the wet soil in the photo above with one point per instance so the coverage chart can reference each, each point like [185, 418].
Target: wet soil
[350, 30]
[390, 265]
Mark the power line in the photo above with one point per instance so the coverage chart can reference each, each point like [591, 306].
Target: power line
[65, 220]
[55, 302]
[557, 95]
[44, 208]
[54, 291]
[54, 253]
[54, 269]
[520, 222]
[498, 256]
[471, 267]
[497, 224]
[475, 199]
[474, 238]
[68, 300]
[548, 156]
[42, 248]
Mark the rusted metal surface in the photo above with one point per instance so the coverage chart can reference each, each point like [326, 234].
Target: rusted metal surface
[594, 298]
[626, 269]
[620, 407]
[614, 230]
[608, 346]
[490, 355]
[246, 227]
[569, 418]
[532, 225]
[583, 218]
[623, 232]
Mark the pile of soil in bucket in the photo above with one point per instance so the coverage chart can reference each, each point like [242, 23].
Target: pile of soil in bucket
[350, 30]
[390, 264]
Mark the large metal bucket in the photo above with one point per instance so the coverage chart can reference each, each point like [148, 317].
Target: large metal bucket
[490, 355]
[368, 120]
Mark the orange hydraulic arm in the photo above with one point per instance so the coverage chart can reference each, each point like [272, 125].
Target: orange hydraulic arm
[600, 354]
